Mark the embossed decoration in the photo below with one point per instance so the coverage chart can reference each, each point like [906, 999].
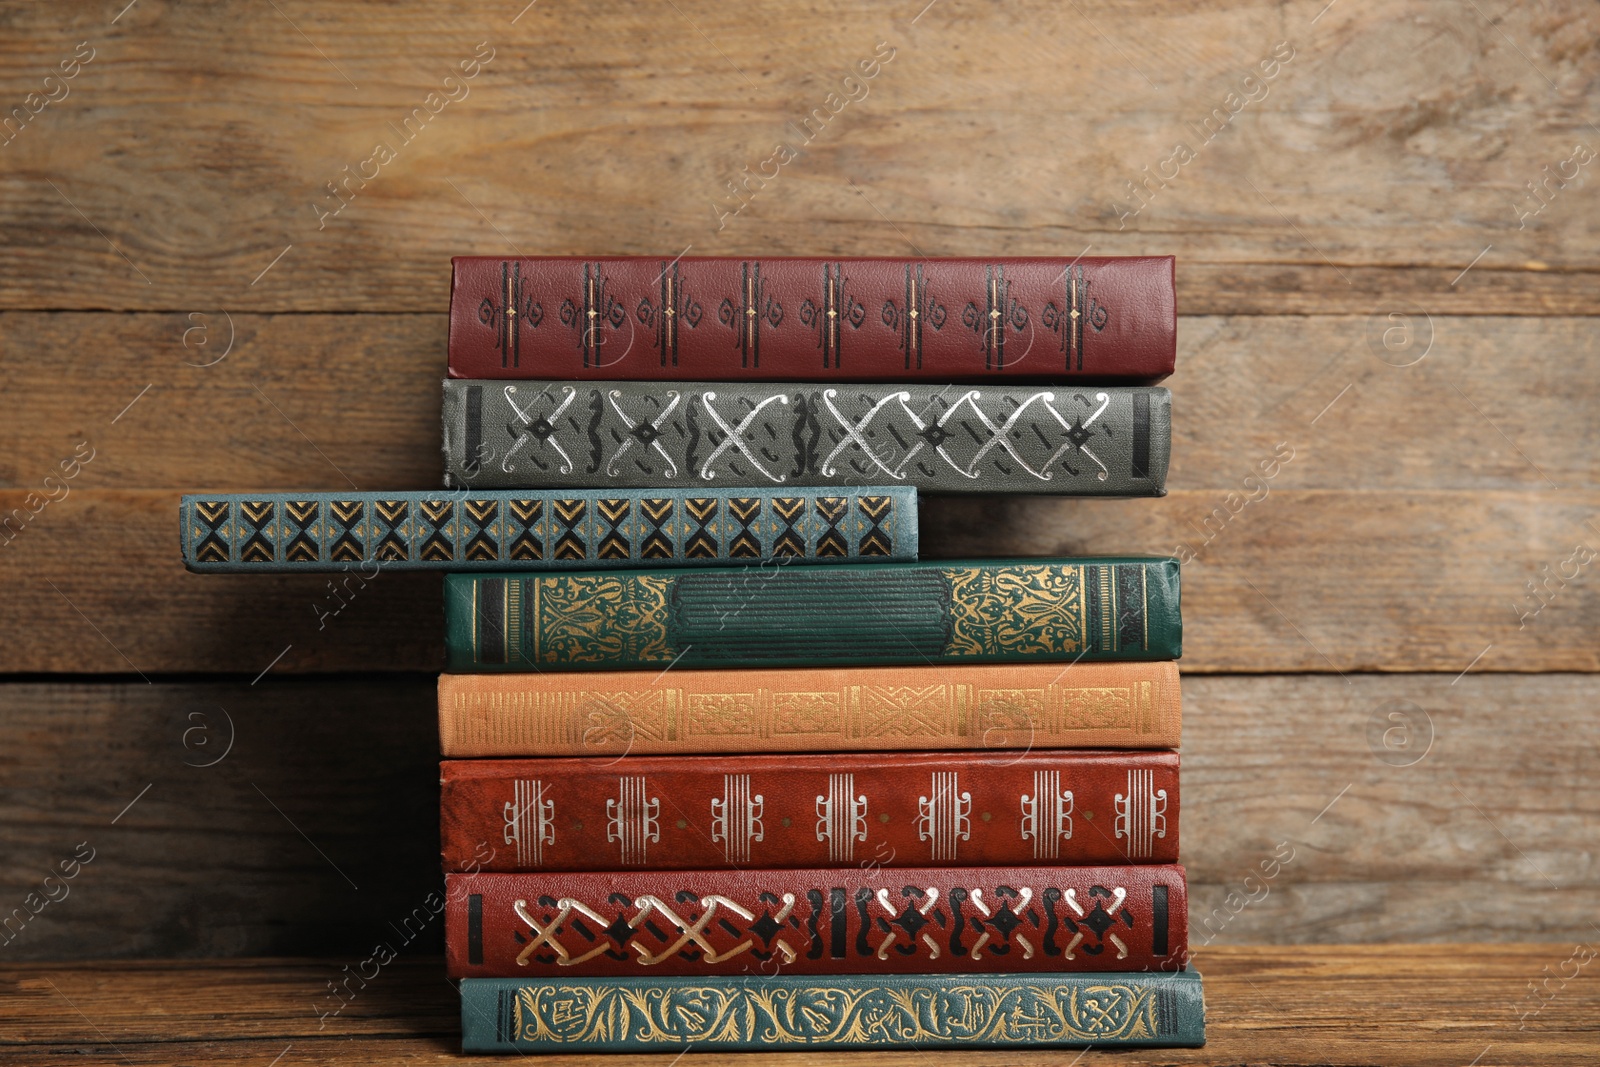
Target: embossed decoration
[875, 511]
[695, 929]
[332, 532]
[257, 531]
[516, 309]
[1043, 1010]
[1017, 610]
[210, 531]
[951, 438]
[599, 618]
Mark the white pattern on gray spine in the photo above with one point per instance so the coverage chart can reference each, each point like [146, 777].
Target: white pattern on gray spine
[736, 818]
[1141, 814]
[530, 821]
[998, 435]
[854, 430]
[629, 439]
[943, 818]
[841, 817]
[1047, 815]
[735, 436]
[631, 820]
[550, 439]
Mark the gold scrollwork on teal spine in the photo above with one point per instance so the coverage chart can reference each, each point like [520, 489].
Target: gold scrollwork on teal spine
[557, 1013]
[1016, 610]
[599, 618]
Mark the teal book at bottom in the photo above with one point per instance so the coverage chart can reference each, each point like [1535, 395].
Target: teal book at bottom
[793, 1012]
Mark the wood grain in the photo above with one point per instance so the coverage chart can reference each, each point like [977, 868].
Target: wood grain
[1390, 140]
[1398, 1005]
[331, 784]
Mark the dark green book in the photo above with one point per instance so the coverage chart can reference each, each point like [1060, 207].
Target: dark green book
[786, 1012]
[981, 611]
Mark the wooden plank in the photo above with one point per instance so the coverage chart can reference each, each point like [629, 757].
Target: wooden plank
[321, 401]
[1399, 1005]
[1387, 140]
[331, 783]
[1304, 580]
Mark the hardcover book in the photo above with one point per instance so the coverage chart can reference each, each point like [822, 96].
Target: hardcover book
[531, 530]
[945, 920]
[998, 808]
[601, 715]
[643, 318]
[783, 1012]
[989, 611]
[1003, 438]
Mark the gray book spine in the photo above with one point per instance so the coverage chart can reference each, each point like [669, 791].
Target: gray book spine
[1068, 440]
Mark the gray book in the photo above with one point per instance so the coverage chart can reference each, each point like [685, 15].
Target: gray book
[1068, 440]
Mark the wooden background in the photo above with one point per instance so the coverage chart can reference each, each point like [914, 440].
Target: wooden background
[1354, 282]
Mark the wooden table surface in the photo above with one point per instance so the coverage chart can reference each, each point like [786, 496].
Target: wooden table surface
[1331, 1006]
[1389, 263]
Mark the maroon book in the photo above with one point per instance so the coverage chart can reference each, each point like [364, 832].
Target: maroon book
[792, 319]
[860, 920]
[898, 809]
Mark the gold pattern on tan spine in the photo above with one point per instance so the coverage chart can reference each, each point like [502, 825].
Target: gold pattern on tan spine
[1127, 705]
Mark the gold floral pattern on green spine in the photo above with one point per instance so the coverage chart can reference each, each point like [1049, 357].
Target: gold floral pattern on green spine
[556, 1013]
[599, 618]
[1016, 610]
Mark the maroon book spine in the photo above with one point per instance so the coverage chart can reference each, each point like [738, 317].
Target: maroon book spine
[862, 920]
[702, 318]
[1007, 809]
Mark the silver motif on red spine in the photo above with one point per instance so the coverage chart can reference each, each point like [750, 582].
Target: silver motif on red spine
[736, 818]
[529, 821]
[1141, 814]
[631, 820]
[1047, 815]
[842, 818]
[944, 818]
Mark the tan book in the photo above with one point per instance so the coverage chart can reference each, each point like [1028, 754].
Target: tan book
[998, 706]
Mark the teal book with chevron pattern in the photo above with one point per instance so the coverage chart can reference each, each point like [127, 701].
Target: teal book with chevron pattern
[981, 611]
[571, 529]
[793, 1013]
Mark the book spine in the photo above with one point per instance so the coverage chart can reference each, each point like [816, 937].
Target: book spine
[1008, 809]
[945, 920]
[542, 531]
[924, 612]
[1074, 440]
[646, 318]
[924, 1011]
[601, 715]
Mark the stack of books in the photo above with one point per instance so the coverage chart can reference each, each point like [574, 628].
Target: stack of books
[726, 766]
